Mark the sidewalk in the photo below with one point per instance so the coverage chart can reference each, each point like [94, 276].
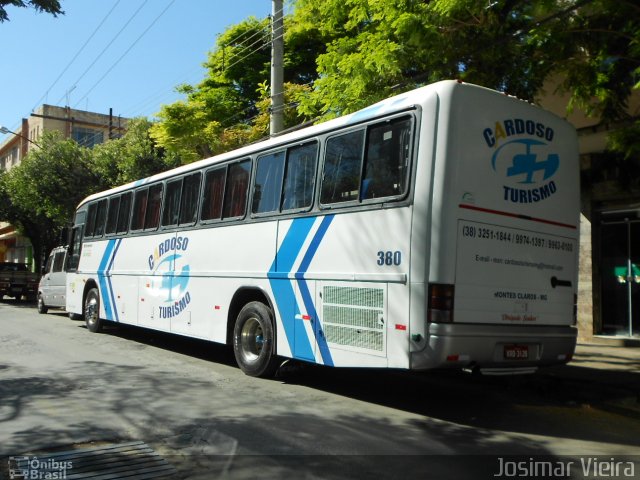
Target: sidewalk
[607, 377]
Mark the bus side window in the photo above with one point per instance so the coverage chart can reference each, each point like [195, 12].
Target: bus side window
[112, 216]
[189, 199]
[124, 212]
[171, 208]
[213, 194]
[235, 193]
[300, 177]
[152, 216]
[342, 165]
[268, 183]
[91, 220]
[387, 159]
[101, 217]
[139, 209]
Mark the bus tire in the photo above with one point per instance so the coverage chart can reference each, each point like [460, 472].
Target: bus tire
[253, 341]
[92, 311]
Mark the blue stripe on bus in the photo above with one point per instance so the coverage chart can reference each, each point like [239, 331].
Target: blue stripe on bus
[102, 279]
[306, 294]
[113, 300]
[282, 287]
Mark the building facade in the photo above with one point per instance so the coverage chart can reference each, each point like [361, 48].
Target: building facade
[609, 280]
[86, 128]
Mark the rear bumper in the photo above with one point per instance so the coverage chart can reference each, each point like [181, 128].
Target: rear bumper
[483, 347]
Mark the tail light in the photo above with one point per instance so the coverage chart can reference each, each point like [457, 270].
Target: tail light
[440, 307]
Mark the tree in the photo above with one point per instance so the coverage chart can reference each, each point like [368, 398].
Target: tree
[40, 195]
[228, 107]
[42, 232]
[376, 48]
[134, 156]
[47, 6]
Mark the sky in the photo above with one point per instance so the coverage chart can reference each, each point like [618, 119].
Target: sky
[128, 55]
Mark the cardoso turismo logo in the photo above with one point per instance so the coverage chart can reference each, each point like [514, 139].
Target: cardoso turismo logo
[170, 276]
[527, 164]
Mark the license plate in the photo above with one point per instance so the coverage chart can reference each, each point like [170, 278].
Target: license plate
[16, 290]
[516, 352]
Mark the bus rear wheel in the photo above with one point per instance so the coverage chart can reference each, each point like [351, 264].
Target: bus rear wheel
[92, 311]
[253, 341]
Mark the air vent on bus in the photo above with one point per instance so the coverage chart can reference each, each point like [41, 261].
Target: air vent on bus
[353, 317]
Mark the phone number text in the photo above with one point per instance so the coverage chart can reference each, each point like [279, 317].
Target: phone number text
[506, 236]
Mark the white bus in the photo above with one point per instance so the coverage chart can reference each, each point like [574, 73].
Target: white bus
[437, 228]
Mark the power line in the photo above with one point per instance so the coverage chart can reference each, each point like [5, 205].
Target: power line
[64, 70]
[133, 44]
[244, 52]
[107, 47]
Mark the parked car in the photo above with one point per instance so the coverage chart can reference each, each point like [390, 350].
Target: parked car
[52, 287]
[17, 281]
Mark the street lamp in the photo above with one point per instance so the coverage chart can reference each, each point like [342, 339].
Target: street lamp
[5, 130]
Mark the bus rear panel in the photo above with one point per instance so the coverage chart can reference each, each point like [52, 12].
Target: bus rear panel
[502, 283]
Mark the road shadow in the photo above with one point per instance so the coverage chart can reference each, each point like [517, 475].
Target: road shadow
[567, 401]
[255, 437]
[14, 303]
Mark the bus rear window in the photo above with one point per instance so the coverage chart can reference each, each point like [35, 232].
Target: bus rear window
[387, 159]
[365, 166]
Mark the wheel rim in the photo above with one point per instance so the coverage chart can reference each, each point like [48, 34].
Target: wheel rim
[91, 311]
[251, 340]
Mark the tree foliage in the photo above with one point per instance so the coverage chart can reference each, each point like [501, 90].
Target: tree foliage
[378, 47]
[229, 106]
[48, 6]
[40, 195]
[132, 157]
[375, 48]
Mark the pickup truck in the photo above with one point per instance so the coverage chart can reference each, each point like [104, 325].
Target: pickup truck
[16, 280]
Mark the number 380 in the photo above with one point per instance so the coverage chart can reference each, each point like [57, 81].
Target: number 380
[389, 258]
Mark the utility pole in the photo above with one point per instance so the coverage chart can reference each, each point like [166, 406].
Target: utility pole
[110, 123]
[277, 68]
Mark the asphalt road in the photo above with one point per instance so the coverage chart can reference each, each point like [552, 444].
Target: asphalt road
[62, 387]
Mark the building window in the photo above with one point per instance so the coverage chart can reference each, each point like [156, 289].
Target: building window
[87, 137]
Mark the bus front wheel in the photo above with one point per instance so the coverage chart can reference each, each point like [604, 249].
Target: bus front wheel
[253, 341]
[92, 311]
